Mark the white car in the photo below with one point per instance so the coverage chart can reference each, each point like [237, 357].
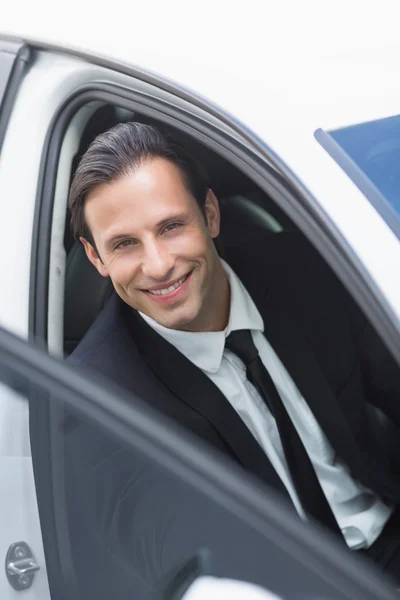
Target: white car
[322, 157]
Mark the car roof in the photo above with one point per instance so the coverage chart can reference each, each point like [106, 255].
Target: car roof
[312, 64]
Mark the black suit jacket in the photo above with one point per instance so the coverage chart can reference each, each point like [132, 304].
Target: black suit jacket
[336, 360]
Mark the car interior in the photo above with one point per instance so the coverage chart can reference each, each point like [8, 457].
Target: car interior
[246, 213]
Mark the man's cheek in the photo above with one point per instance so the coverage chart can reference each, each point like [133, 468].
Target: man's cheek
[124, 277]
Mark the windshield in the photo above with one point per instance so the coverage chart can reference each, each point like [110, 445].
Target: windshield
[373, 147]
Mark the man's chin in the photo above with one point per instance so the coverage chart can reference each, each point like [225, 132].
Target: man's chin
[181, 322]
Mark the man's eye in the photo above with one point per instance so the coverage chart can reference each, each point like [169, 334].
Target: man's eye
[172, 226]
[123, 244]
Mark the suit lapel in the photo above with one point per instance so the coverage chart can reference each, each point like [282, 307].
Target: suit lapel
[195, 389]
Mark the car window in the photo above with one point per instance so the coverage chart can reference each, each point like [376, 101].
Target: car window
[370, 152]
[130, 505]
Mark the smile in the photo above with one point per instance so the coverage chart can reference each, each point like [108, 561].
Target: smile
[171, 288]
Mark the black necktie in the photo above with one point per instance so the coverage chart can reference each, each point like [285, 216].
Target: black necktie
[301, 469]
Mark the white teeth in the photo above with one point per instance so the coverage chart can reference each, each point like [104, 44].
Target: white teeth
[169, 289]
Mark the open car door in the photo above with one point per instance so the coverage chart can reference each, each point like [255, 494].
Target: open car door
[216, 520]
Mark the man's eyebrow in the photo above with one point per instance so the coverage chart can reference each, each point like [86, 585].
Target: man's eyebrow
[123, 236]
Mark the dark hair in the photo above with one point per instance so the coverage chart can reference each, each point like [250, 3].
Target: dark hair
[116, 153]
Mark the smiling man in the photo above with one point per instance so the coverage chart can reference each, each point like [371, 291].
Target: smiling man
[158, 251]
[264, 356]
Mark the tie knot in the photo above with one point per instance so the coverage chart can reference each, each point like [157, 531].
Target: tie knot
[241, 343]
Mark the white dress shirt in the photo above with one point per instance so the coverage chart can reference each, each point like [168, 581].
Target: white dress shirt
[361, 515]
[215, 588]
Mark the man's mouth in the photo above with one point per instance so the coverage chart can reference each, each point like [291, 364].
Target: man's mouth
[171, 288]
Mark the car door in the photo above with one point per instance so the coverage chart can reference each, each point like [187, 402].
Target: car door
[233, 527]
[21, 544]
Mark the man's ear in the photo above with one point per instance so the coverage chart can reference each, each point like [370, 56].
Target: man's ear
[94, 258]
[212, 214]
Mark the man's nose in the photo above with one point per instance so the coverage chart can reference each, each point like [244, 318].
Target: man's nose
[158, 263]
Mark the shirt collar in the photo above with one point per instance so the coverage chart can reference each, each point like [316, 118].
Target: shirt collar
[205, 348]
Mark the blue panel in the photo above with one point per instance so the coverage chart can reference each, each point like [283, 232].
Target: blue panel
[375, 147]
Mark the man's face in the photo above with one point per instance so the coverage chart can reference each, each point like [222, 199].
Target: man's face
[157, 247]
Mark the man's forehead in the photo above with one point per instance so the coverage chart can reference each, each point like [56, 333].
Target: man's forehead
[142, 185]
[148, 173]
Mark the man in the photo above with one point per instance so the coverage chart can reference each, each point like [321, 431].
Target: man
[264, 356]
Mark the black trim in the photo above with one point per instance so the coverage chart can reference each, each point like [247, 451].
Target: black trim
[359, 177]
[14, 60]
[172, 448]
